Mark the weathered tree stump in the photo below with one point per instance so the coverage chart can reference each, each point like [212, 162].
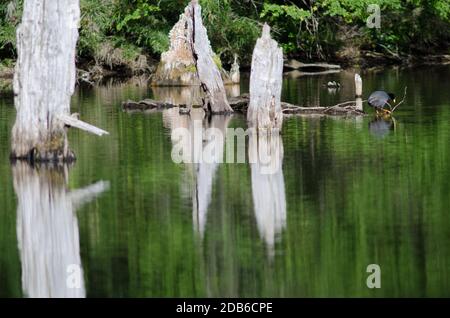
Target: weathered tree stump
[358, 92]
[216, 99]
[44, 80]
[177, 66]
[191, 61]
[264, 111]
[235, 73]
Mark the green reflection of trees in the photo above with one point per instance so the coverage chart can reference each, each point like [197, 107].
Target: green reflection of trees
[352, 200]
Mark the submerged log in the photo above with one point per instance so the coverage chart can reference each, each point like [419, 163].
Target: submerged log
[44, 80]
[240, 104]
[264, 111]
[297, 74]
[148, 105]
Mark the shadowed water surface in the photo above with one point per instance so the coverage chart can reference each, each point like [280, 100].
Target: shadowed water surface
[349, 193]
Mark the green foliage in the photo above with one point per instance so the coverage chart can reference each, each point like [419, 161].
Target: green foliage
[286, 20]
[229, 32]
[314, 29]
[10, 13]
[142, 22]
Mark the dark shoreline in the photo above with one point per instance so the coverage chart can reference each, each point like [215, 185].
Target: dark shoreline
[369, 61]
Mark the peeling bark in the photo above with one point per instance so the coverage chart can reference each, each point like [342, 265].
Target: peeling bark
[264, 111]
[208, 72]
[191, 61]
[177, 66]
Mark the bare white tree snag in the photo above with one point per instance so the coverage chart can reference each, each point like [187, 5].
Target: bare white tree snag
[177, 66]
[358, 85]
[235, 73]
[47, 230]
[211, 80]
[264, 111]
[358, 92]
[44, 79]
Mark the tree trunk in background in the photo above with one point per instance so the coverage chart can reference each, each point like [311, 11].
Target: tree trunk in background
[358, 92]
[264, 111]
[44, 79]
[211, 81]
[235, 73]
[177, 66]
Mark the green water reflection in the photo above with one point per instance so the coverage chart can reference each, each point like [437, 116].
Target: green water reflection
[350, 193]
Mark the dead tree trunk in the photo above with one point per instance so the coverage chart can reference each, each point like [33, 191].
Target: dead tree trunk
[211, 81]
[44, 80]
[358, 92]
[264, 110]
[235, 73]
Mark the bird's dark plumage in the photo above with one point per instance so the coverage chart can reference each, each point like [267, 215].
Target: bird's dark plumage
[379, 99]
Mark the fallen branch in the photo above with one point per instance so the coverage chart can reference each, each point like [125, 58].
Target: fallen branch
[402, 101]
[74, 122]
[343, 104]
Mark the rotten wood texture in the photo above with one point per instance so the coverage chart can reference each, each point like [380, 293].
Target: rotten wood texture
[44, 79]
[264, 111]
[177, 65]
[191, 61]
[215, 100]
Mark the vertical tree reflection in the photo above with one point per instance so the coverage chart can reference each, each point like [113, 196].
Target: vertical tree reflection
[202, 152]
[269, 197]
[47, 230]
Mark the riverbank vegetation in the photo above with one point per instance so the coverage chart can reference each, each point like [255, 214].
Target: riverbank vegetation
[128, 36]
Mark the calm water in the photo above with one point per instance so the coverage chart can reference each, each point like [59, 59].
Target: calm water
[351, 192]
